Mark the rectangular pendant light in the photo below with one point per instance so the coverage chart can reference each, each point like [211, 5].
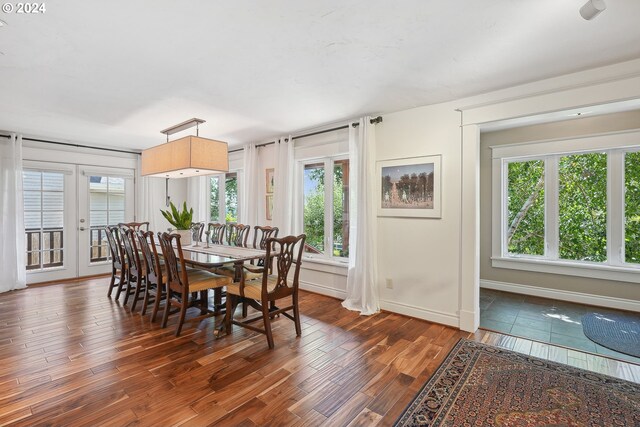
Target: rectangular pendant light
[185, 157]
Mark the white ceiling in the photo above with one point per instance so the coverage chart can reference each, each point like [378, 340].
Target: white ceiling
[116, 72]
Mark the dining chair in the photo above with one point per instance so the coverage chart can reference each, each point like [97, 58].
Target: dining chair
[135, 225]
[118, 264]
[237, 234]
[287, 252]
[183, 285]
[216, 233]
[197, 229]
[136, 277]
[155, 290]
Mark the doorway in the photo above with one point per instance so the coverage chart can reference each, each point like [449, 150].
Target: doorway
[66, 207]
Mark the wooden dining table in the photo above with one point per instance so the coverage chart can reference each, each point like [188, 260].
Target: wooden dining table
[215, 256]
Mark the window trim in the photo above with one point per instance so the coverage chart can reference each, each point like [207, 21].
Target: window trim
[326, 257]
[616, 145]
[222, 207]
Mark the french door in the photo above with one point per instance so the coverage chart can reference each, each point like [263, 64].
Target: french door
[105, 197]
[65, 209]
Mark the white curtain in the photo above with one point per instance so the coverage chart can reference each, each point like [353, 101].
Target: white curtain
[198, 197]
[283, 189]
[362, 291]
[152, 199]
[12, 244]
[251, 194]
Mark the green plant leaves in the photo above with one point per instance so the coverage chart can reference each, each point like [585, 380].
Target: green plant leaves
[181, 220]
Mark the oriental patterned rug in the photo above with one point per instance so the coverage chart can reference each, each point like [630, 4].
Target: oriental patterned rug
[482, 385]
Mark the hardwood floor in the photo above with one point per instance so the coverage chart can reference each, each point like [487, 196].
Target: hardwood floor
[71, 356]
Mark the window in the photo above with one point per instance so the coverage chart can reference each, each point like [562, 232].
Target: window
[43, 219]
[325, 215]
[568, 207]
[106, 207]
[226, 209]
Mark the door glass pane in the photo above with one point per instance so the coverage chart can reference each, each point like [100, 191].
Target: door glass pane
[632, 207]
[43, 194]
[314, 207]
[582, 203]
[106, 207]
[231, 197]
[215, 199]
[341, 208]
[525, 208]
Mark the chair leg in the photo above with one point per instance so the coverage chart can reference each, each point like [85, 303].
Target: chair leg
[245, 306]
[127, 292]
[266, 316]
[183, 313]
[229, 314]
[167, 307]
[113, 282]
[142, 283]
[204, 301]
[156, 304]
[296, 314]
[145, 300]
[121, 283]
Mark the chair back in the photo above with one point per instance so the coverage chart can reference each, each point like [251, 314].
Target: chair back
[216, 233]
[261, 234]
[131, 251]
[147, 245]
[175, 269]
[197, 228]
[287, 252]
[238, 234]
[115, 246]
[135, 226]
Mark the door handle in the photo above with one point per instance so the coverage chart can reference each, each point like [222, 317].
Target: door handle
[82, 228]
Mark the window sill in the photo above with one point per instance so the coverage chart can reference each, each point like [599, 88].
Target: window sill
[325, 265]
[595, 271]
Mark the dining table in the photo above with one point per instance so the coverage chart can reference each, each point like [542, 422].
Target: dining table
[212, 256]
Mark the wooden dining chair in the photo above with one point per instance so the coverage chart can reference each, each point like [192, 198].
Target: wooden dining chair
[118, 264]
[197, 230]
[136, 274]
[135, 226]
[155, 290]
[216, 232]
[184, 285]
[238, 234]
[287, 253]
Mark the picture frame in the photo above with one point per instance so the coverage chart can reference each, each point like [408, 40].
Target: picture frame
[269, 180]
[409, 187]
[269, 206]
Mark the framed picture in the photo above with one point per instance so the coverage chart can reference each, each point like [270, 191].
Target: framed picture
[269, 206]
[409, 187]
[269, 180]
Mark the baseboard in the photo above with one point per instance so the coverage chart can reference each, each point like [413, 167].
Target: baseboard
[323, 290]
[579, 297]
[421, 313]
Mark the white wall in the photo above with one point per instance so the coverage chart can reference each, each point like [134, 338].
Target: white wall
[422, 256]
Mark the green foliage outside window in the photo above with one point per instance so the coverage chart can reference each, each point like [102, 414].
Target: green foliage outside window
[632, 207]
[314, 205]
[582, 202]
[525, 232]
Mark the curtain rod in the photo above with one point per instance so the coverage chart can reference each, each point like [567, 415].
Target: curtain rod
[373, 121]
[45, 141]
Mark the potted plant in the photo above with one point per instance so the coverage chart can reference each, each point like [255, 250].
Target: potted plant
[181, 220]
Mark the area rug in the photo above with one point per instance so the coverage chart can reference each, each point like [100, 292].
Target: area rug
[617, 331]
[482, 385]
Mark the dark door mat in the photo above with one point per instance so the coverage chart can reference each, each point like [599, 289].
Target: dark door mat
[616, 331]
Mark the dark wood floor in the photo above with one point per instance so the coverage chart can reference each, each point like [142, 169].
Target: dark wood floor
[71, 356]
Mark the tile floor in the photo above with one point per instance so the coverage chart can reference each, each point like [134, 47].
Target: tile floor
[541, 319]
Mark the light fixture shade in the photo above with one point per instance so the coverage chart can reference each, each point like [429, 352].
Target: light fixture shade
[185, 157]
[592, 8]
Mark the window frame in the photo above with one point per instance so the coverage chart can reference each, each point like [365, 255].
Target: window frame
[328, 161]
[616, 145]
[222, 186]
